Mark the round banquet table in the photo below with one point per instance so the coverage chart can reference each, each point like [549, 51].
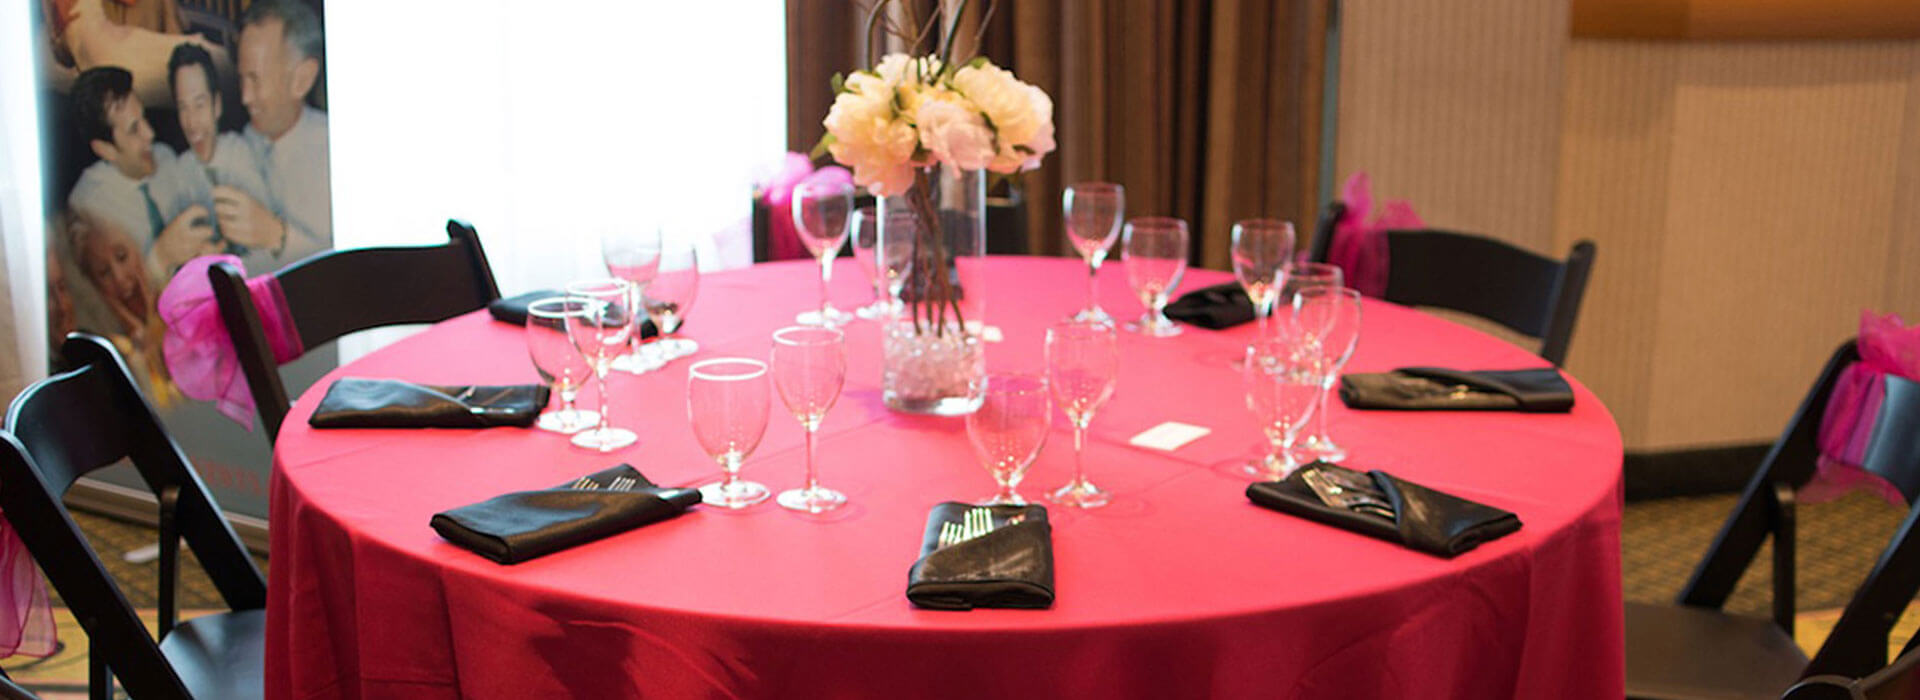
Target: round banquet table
[1180, 588]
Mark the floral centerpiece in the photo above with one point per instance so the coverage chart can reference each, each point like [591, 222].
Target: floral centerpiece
[918, 130]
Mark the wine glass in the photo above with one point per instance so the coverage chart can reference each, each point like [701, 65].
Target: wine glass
[1283, 380]
[809, 367]
[727, 404]
[1155, 252]
[867, 251]
[1008, 430]
[600, 334]
[670, 297]
[1083, 363]
[633, 254]
[820, 213]
[559, 363]
[1307, 276]
[1261, 249]
[1093, 212]
[1332, 314]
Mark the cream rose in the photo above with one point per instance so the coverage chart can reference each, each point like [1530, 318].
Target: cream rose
[870, 138]
[1003, 98]
[955, 134]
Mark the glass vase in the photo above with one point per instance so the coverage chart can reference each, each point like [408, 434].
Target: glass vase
[935, 360]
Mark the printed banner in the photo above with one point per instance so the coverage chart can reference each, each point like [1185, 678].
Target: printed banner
[174, 129]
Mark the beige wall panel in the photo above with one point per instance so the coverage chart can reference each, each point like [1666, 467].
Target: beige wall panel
[1616, 146]
[1903, 258]
[1778, 222]
[1455, 107]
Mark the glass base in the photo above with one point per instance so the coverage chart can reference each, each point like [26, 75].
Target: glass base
[1080, 494]
[1320, 448]
[1011, 499]
[1269, 467]
[605, 439]
[567, 422]
[640, 361]
[835, 318]
[877, 311]
[1092, 314]
[736, 495]
[674, 348]
[1156, 328]
[813, 500]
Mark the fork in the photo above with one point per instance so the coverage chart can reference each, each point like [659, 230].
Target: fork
[622, 483]
[949, 535]
[585, 482]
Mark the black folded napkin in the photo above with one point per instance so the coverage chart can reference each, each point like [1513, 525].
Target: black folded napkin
[519, 526]
[1009, 567]
[353, 402]
[1424, 519]
[1217, 307]
[514, 310]
[1439, 389]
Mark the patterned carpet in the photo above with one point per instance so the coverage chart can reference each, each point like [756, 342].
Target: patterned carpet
[1661, 540]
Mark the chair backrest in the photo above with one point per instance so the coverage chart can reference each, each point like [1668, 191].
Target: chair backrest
[332, 294]
[71, 424]
[1322, 242]
[1858, 644]
[1529, 293]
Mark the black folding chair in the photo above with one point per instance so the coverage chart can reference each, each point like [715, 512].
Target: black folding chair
[1694, 649]
[332, 294]
[1898, 681]
[90, 417]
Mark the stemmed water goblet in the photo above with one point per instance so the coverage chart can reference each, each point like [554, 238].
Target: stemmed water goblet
[1282, 380]
[809, 368]
[820, 215]
[668, 299]
[1008, 430]
[1307, 276]
[1261, 250]
[868, 252]
[1155, 252]
[558, 361]
[633, 254]
[1083, 363]
[600, 334]
[727, 405]
[1093, 212]
[1332, 315]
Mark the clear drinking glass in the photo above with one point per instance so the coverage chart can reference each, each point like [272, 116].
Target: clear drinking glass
[1008, 430]
[633, 254]
[1155, 253]
[1307, 276]
[809, 368]
[1093, 212]
[560, 364]
[1083, 364]
[1332, 314]
[670, 297]
[727, 405]
[866, 251]
[600, 334]
[1261, 249]
[820, 214]
[1282, 383]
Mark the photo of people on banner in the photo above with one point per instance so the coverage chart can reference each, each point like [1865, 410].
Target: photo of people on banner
[177, 128]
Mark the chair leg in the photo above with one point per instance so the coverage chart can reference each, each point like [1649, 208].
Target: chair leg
[1783, 559]
[99, 677]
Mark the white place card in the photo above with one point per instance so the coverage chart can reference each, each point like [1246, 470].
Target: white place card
[1168, 436]
[991, 334]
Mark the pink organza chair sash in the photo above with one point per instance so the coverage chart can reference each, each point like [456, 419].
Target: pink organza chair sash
[23, 597]
[196, 346]
[783, 243]
[1887, 347]
[1359, 245]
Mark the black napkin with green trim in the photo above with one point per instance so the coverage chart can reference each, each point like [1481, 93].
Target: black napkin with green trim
[515, 527]
[1540, 390]
[353, 402]
[1431, 521]
[1011, 566]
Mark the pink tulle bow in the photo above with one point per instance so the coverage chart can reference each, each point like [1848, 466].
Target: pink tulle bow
[1359, 246]
[29, 629]
[783, 243]
[196, 346]
[1887, 346]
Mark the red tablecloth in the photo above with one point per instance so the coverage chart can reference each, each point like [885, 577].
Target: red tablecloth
[1180, 588]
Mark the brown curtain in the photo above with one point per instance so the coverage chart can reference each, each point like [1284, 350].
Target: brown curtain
[1208, 111]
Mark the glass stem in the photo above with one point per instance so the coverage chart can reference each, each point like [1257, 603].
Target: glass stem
[813, 481]
[1320, 413]
[1260, 312]
[1093, 286]
[1079, 453]
[826, 274]
[729, 472]
[600, 371]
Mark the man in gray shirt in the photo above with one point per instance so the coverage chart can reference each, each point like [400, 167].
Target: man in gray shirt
[279, 61]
